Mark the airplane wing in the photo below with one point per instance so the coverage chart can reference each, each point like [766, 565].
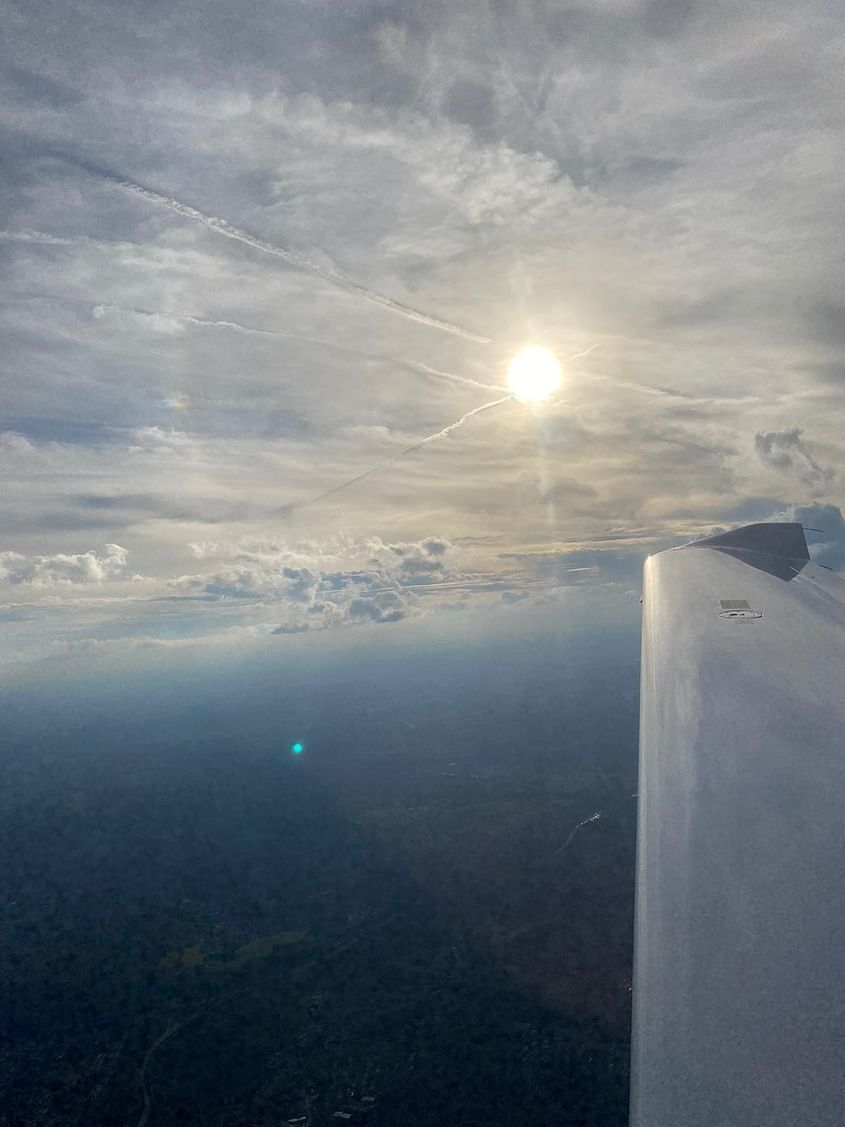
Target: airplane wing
[739, 964]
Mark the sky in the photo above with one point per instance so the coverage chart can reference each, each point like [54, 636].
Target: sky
[249, 254]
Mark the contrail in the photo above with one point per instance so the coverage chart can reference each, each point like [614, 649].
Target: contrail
[222, 227]
[44, 239]
[450, 377]
[467, 381]
[205, 323]
[585, 352]
[402, 453]
[648, 389]
[100, 307]
[251, 330]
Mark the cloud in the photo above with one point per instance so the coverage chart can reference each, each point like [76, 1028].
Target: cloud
[174, 371]
[131, 508]
[623, 566]
[389, 606]
[511, 597]
[259, 578]
[62, 569]
[324, 584]
[442, 433]
[334, 277]
[426, 561]
[786, 450]
[342, 581]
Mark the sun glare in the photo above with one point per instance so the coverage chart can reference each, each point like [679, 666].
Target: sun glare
[533, 375]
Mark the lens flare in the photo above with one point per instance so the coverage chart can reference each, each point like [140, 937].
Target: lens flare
[533, 375]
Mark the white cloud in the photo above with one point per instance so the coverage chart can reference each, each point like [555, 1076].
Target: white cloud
[61, 569]
[316, 585]
[305, 572]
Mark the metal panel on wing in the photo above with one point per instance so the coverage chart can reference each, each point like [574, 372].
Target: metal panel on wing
[739, 968]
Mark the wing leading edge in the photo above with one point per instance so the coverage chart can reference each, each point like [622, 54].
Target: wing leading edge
[739, 964]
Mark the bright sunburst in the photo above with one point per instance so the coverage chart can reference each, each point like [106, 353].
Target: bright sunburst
[533, 375]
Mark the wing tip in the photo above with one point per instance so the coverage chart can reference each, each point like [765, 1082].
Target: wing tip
[784, 539]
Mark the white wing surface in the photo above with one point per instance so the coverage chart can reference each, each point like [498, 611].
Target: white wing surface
[739, 966]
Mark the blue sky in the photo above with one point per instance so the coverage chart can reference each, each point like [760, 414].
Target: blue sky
[247, 255]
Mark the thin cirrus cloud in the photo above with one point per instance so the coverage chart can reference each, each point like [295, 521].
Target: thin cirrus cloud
[298, 261]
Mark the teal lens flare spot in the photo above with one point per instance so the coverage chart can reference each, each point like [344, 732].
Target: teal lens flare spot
[297, 748]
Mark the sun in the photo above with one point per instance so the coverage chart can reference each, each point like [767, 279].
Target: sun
[533, 375]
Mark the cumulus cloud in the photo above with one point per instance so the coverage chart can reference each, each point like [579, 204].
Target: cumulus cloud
[786, 450]
[62, 569]
[299, 572]
[380, 607]
[423, 562]
[318, 585]
[259, 577]
[388, 606]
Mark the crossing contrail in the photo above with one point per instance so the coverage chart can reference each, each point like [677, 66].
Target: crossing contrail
[252, 330]
[292, 258]
[206, 323]
[100, 308]
[449, 377]
[402, 453]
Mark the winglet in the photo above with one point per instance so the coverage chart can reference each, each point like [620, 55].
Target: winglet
[780, 538]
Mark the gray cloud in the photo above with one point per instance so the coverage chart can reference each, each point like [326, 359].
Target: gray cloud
[385, 607]
[130, 508]
[423, 562]
[786, 450]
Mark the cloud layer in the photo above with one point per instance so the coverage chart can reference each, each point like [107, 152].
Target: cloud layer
[244, 263]
[316, 586]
